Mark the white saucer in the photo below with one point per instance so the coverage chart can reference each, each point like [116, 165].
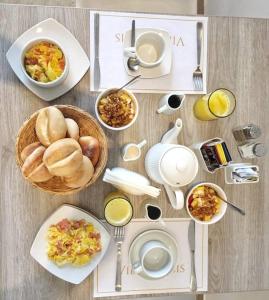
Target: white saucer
[78, 60]
[163, 68]
[149, 235]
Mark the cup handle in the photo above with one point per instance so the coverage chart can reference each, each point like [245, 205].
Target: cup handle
[129, 52]
[176, 198]
[162, 109]
[137, 268]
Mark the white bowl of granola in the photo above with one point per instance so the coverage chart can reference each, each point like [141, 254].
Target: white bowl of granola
[204, 203]
[116, 110]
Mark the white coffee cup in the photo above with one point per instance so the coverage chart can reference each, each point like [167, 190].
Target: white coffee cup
[155, 260]
[149, 49]
[170, 103]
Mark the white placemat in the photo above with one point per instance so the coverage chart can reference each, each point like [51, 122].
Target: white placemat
[177, 281]
[182, 32]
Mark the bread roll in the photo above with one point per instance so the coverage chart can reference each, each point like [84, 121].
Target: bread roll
[33, 168]
[40, 174]
[29, 149]
[72, 129]
[90, 147]
[82, 175]
[50, 125]
[63, 157]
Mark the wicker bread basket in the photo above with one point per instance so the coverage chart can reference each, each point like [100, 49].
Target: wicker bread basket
[88, 126]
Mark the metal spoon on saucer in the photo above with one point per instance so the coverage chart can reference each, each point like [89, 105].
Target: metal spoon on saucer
[132, 62]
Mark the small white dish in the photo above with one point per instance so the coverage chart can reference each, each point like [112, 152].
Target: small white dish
[68, 273]
[223, 205]
[50, 84]
[107, 92]
[77, 58]
[150, 235]
[163, 68]
[197, 148]
[232, 167]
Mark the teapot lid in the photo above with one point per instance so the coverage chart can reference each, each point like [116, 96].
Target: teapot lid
[179, 166]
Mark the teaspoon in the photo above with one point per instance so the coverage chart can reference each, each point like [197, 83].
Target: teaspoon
[132, 62]
[129, 82]
[241, 211]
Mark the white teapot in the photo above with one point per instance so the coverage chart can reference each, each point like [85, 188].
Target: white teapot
[172, 165]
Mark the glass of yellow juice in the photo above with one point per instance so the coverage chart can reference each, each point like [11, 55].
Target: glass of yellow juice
[219, 104]
[118, 209]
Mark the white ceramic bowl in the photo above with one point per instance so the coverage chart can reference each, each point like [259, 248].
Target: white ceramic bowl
[102, 95]
[53, 83]
[223, 205]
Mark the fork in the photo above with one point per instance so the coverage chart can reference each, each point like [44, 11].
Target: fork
[197, 74]
[118, 237]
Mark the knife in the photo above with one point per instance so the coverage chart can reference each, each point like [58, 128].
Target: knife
[191, 234]
[133, 34]
[96, 79]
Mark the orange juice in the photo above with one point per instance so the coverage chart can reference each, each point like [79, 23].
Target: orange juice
[218, 104]
[118, 209]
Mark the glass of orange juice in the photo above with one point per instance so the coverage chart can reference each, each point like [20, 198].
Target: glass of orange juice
[118, 209]
[219, 104]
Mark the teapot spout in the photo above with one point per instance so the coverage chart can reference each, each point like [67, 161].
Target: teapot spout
[170, 137]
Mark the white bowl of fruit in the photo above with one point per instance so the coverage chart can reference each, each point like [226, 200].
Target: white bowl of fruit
[204, 203]
[44, 62]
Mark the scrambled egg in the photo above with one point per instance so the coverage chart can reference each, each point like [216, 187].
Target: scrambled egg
[44, 62]
[73, 242]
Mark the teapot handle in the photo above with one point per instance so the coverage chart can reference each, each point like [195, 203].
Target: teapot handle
[176, 198]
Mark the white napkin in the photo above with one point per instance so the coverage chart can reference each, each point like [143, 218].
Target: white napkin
[182, 31]
[177, 281]
[128, 185]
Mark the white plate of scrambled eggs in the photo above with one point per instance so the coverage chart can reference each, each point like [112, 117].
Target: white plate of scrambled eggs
[70, 243]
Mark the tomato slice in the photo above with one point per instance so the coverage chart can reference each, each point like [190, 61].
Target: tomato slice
[190, 200]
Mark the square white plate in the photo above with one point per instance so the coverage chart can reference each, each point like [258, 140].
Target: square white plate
[78, 60]
[68, 273]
